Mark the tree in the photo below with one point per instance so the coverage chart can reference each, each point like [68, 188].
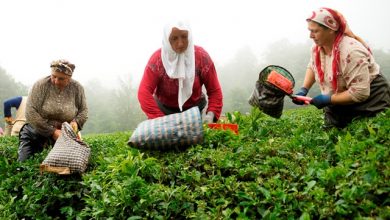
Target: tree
[237, 79]
[10, 88]
[129, 113]
[383, 59]
[111, 110]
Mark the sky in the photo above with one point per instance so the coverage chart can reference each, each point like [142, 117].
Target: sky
[111, 40]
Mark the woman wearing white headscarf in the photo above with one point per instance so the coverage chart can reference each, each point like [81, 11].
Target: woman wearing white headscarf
[174, 76]
[350, 80]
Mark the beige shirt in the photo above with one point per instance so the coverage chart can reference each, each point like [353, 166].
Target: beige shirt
[48, 107]
[357, 70]
[20, 117]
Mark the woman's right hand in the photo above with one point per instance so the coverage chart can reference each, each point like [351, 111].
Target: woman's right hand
[56, 134]
[8, 120]
[302, 92]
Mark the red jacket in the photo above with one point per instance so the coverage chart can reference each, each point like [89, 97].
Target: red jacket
[156, 82]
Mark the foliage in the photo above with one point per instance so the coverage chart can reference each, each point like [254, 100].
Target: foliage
[118, 109]
[383, 59]
[9, 88]
[285, 168]
[237, 79]
[111, 110]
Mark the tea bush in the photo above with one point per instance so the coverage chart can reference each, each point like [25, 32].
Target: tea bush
[285, 168]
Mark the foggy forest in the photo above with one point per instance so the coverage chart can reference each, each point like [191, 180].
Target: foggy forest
[113, 109]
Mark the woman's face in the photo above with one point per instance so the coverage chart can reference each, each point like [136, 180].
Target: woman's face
[60, 80]
[178, 40]
[321, 36]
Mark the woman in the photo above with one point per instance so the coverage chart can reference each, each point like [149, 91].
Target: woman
[174, 76]
[13, 125]
[350, 80]
[52, 100]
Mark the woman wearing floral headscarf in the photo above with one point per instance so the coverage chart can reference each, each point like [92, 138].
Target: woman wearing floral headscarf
[174, 76]
[52, 100]
[350, 80]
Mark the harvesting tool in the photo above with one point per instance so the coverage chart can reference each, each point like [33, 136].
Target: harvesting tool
[286, 85]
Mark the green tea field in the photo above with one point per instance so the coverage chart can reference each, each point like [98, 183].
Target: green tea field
[287, 168]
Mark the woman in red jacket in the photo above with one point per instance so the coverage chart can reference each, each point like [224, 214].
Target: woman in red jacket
[174, 76]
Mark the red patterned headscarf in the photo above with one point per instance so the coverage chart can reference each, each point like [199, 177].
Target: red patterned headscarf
[335, 21]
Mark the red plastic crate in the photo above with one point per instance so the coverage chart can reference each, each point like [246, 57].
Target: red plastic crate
[232, 127]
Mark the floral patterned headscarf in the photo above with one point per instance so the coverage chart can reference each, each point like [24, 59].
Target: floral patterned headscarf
[335, 21]
[62, 66]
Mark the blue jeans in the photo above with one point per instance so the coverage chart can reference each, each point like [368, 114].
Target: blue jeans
[31, 142]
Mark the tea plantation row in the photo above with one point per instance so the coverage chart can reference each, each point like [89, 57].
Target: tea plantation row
[286, 168]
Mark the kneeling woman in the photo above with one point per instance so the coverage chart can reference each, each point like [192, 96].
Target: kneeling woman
[351, 82]
[175, 75]
[52, 100]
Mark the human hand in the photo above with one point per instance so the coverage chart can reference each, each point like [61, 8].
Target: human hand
[56, 134]
[74, 126]
[8, 120]
[208, 118]
[302, 92]
[321, 101]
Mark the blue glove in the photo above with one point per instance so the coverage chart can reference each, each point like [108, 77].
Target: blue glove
[302, 92]
[321, 101]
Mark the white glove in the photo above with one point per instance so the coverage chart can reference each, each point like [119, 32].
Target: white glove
[208, 118]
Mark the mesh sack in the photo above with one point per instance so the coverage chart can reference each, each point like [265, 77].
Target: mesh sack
[172, 131]
[268, 97]
[68, 155]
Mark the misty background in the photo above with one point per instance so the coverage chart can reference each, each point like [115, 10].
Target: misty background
[110, 43]
[117, 109]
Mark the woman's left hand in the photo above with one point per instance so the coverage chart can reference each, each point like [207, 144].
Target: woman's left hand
[56, 134]
[208, 118]
[321, 101]
[74, 126]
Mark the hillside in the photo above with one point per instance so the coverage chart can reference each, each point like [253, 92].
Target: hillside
[284, 168]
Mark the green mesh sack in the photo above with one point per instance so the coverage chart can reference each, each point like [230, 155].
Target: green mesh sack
[174, 131]
[270, 89]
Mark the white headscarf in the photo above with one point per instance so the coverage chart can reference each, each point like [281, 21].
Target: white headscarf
[179, 66]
